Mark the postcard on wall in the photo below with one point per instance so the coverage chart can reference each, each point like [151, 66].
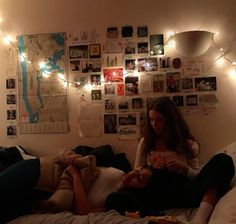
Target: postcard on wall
[109, 89]
[11, 114]
[110, 123]
[10, 83]
[11, 99]
[164, 63]
[127, 31]
[90, 65]
[130, 64]
[113, 47]
[120, 89]
[173, 82]
[11, 130]
[124, 104]
[128, 132]
[94, 50]
[112, 32]
[157, 44]
[84, 36]
[159, 83]
[95, 79]
[205, 84]
[143, 48]
[110, 106]
[142, 31]
[187, 84]
[178, 100]
[131, 85]
[96, 94]
[113, 75]
[192, 100]
[208, 100]
[78, 51]
[147, 64]
[193, 68]
[138, 103]
[75, 66]
[130, 47]
[145, 83]
[90, 128]
[113, 60]
[127, 119]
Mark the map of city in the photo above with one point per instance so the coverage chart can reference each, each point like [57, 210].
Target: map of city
[43, 106]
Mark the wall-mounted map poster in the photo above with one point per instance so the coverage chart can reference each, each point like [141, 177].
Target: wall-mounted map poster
[43, 94]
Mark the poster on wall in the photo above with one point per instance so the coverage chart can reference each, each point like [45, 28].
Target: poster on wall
[42, 95]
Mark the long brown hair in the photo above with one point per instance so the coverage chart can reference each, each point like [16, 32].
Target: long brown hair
[176, 131]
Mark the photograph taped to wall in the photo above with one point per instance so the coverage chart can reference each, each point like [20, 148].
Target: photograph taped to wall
[147, 64]
[158, 82]
[113, 47]
[130, 64]
[95, 79]
[11, 114]
[178, 100]
[40, 96]
[131, 85]
[173, 82]
[127, 31]
[128, 132]
[78, 51]
[109, 89]
[187, 84]
[164, 63]
[10, 83]
[205, 84]
[142, 31]
[110, 106]
[75, 66]
[113, 75]
[157, 44]
[130, 47]
[123, 104]
[192, 100]
[208, 100]
[193, 67]
[112, 60]
[112, 32]
[11, 99]
[145, 82]
[11, 130]
[110, 123]
[138, 103]
[95, 50]
[96, 94]
[127, 119]
[90, 65]
[120, 89]
[142, 47]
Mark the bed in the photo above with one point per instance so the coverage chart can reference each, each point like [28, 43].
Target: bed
[108, 181]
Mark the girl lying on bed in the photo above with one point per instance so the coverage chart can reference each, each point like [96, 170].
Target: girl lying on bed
[166, 171]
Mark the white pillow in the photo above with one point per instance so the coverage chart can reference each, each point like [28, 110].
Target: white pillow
[225, 209]
[108, 181]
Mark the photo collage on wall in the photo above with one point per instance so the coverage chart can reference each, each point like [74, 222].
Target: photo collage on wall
[130, 70]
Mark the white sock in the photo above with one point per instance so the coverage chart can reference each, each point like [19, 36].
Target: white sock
[203, 213]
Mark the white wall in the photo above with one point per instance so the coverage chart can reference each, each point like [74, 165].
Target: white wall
[32, 16]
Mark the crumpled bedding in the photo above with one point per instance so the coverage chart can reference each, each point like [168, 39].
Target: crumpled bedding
[69, 218]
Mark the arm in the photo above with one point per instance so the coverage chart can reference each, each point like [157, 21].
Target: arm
[141, 157]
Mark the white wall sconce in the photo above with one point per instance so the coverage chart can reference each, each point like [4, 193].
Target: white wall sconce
[193, 43]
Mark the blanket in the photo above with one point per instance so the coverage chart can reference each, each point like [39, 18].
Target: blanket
[78, 173]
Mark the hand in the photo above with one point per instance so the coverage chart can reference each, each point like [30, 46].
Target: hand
[177, 166]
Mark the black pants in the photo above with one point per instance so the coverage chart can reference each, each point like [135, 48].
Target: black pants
[170, 190]
[17, 189]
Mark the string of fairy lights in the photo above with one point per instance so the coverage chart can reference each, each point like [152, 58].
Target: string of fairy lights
[46, 73]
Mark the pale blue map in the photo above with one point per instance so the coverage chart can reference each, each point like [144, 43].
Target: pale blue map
[43, 104]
